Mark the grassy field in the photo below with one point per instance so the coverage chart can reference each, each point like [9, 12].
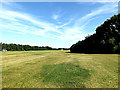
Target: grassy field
[58, 69]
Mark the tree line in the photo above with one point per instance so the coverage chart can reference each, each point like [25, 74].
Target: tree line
[19, 47]
[106, 39]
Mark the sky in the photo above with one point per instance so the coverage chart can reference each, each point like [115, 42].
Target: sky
[54, 24]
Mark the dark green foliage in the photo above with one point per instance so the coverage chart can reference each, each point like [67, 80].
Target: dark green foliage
[105, 40]
[18, 47]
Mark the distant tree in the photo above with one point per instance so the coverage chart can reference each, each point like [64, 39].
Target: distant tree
[18, 47]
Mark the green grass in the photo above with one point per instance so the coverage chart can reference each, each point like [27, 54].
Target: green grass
[58, 69]
[64, 75]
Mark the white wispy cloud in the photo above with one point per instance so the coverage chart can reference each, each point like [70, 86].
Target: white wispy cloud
[57, 14]
[67, 23]
[24, 23]
[76, 32]
[105, 9]
[55, 17]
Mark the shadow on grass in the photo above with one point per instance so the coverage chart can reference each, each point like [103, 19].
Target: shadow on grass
[75, 53]
[65, 75]
[89, 53]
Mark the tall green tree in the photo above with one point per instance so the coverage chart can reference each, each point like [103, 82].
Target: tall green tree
[105, 40]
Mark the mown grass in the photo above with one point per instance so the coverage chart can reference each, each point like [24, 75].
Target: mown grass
[58, 69]
[64, 75]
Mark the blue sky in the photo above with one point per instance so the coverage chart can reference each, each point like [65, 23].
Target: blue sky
[55, 24]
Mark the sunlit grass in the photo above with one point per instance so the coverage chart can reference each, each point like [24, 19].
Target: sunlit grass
[55, 69]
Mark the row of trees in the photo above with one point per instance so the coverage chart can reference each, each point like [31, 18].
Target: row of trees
[18, 47]
[105, 40]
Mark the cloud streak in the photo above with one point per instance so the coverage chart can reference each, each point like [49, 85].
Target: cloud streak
[55, 17]
[24, 23]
